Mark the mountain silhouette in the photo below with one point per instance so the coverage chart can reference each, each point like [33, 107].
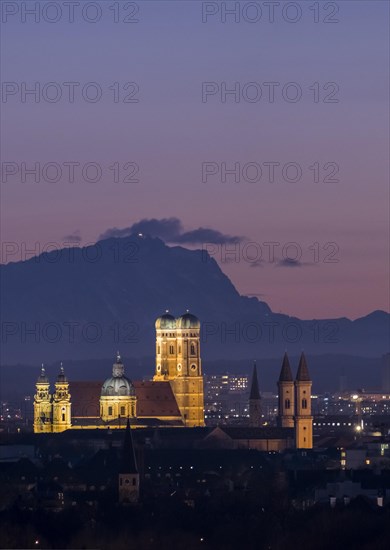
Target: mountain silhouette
[82, 303]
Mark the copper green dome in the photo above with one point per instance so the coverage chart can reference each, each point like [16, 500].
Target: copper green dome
[118, 383]
[188, 320]
[166, 321]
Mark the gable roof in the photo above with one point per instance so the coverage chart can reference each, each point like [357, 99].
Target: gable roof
[154, 399]
[267, 432]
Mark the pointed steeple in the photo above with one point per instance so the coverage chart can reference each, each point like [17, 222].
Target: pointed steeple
[254, 393]
[303, 372]
[129, 463]
[285, 373]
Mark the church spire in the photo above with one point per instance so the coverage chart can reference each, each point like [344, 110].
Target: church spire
[285, 373]
[254, 401]
[303, 372]
[286, 395]
[129, 463]
[128, 472]
[254, 393]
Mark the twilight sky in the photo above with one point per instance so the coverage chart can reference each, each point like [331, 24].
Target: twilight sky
[170, 132]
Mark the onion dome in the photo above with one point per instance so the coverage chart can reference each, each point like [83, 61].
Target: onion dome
[61, 377]
[118, 383]
[166, 321]
[42, 378]
[188, 320]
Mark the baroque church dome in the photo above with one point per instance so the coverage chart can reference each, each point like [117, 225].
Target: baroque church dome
[118, 383]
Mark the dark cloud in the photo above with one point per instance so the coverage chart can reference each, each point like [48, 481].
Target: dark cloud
[74, 237]
[287, 262]
[170, 230]
[206, 235]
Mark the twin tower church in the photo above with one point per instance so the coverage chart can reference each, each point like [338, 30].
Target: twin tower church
[175, 396]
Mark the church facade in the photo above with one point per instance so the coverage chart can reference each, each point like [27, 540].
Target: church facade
[174, 397]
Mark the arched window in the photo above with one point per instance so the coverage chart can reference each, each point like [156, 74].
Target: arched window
[286, 403]
[171, 350]
[192, 349]
[304, 403]
[109, 411]
[158, 350]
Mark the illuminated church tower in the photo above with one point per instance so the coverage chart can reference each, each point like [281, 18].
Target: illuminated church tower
[178, 362]
[166, 348]
[61, 404]
[254, 401]
[303, 418]
[286, 395]
[42, 404]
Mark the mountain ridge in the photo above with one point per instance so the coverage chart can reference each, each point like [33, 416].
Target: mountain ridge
[87, 301]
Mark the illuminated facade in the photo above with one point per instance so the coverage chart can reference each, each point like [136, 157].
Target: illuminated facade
[178, 362]
[295, 402]
[42, 405]
[174, 397]
[61, 404]
[52, 413]
[118, 397]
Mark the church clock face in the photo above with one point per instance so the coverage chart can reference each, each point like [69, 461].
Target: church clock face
[179, 368]
[193, 368]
